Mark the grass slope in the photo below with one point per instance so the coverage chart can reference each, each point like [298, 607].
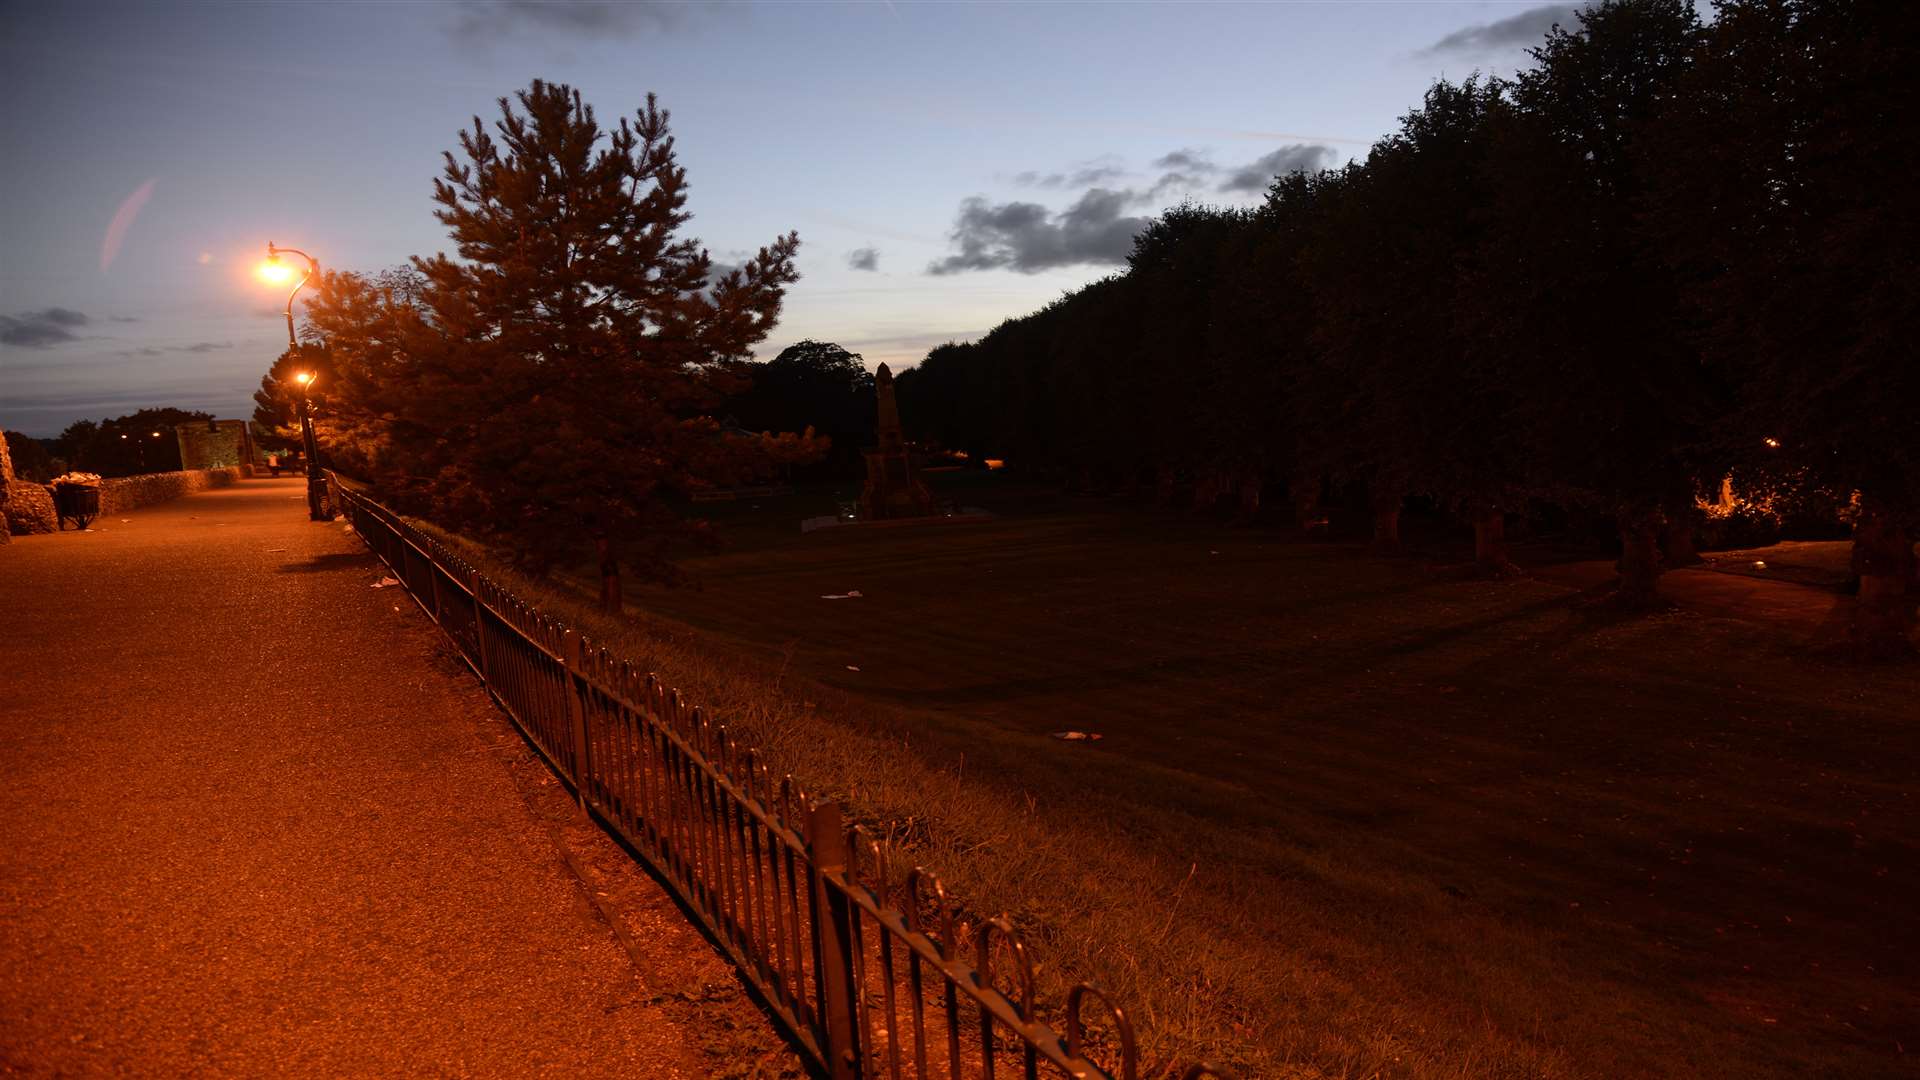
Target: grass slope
[1349, 817]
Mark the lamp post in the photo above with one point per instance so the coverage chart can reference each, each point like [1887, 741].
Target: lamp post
[275, 270]
[316, 487]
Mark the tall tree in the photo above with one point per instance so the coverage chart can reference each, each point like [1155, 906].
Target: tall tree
[811, 384]
[1395, 395]
[555, 382]
[1585, 313]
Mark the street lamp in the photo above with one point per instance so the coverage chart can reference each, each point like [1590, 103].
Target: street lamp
[278, 272]
[317, 509]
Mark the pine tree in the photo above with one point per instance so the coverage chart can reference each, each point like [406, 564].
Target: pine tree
[553, 383]
[276, 405]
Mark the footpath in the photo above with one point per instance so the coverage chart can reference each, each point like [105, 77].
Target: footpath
[1810, 614]
[255, 823]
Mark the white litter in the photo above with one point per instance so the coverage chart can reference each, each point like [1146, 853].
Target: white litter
[1758, 565]
[850, 594]
[1077, 736]
[385, 582]
[850, 667]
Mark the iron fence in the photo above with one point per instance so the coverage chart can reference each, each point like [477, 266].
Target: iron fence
[868, 974]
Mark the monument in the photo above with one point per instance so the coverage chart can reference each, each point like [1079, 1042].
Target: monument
[215, 444]
[892, 489]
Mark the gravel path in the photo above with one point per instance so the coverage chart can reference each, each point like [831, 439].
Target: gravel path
[254, 823]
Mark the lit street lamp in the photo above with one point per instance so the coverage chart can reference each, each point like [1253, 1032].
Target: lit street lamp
[279, 273]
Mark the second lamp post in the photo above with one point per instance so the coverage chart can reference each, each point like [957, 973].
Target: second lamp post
[317, 508]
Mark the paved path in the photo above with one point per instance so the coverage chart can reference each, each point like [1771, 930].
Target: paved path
[252, 823]
[1813, 615]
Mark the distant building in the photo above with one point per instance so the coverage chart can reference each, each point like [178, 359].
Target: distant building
[216, 444]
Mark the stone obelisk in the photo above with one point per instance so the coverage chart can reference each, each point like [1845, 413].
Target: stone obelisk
[892, 489]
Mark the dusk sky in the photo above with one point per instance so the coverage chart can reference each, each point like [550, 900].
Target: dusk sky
[947, 166]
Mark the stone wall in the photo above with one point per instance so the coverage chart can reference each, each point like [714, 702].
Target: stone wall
[214, 444]
[29, 506]
[132, 492]
[6, 482]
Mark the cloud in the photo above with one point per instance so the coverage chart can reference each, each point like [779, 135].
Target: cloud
[1258, 174]
[122, 318]
[196, 347]
[40, 329]
[719, 268]
[1526, 28]
[1170, 184]
[865, 258]
[1097, 228]
[1091, 174]
[1187, 161]
[1029, 238]
[496, 20]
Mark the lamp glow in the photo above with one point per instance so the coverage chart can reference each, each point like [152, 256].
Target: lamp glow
[304, 378]
[274, 272]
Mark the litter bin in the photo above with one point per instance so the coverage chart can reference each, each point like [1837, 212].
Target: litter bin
[79, 502]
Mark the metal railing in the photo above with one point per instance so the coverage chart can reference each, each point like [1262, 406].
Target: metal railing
[842, 955]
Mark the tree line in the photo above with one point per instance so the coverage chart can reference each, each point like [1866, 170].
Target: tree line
[138, 442]
[1670, 251]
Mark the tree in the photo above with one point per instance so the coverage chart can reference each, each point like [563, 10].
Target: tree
[811, 384]
[1395, 396]
[1582, 309]
[276, 405]
[73, 440]
[554, 383]
[139, 442]
[31, 458]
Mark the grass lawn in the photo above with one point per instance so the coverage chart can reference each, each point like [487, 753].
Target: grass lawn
[1349, 815]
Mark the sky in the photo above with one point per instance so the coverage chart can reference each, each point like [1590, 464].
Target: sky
[947, 166]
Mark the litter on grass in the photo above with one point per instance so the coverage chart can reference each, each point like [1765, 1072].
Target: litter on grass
[1077, 736]
[850, 594]
[385, 582]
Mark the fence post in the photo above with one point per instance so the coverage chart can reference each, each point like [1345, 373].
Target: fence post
[832, 915]
[576, 710]
[479, 626]
[433, 582]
